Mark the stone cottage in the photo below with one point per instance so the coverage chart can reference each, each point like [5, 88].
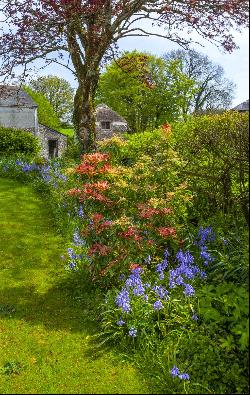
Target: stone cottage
[242, 107]
[108, 122]
[19, 111]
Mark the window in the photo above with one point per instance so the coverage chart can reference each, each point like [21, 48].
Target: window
[105, 125]
[53, 148]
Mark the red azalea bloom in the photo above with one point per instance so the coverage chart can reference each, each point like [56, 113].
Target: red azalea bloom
[165, 232]
[96, 217]
[134, 266]
[98, 248]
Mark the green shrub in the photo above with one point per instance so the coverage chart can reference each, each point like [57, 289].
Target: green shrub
[216, 154]
[14, 141]
[132, 147]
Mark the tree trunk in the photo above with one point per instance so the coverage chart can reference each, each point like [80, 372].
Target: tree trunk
[84, 116]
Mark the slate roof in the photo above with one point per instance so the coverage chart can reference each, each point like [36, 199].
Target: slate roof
[14, 96]
[242, 106]
[105, 113]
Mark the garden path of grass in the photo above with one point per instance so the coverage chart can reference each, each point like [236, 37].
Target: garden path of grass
[43, 326]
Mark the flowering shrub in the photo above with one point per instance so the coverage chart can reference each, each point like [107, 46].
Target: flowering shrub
[131, 213]
[172, 312]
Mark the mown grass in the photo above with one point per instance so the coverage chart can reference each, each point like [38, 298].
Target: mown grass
[47, 317]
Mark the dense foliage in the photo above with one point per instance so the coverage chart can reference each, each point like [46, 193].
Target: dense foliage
[171, 261]
[45, 112]
[59, 94]
[14, 141]
[146, 90]
[215, 149]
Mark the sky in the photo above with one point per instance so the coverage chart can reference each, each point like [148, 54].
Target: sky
[235, 65]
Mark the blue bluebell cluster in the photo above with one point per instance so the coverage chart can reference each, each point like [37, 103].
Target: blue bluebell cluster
[79, 211]
[132, 332]
[48, 172]
[186, 270]
[157, 294]
[205, 235]
[73, 256]
[77, 239]
[163, 265]
[175, 372]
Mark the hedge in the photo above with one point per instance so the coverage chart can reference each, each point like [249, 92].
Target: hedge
[15, 141]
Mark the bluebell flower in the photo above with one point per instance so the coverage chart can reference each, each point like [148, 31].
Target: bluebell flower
[147, 260]
[194, 317]
[161, 291]
[132, 332]
[139, 290]
[71, 253]
[77, 240]
[80, 212]
[179, 280]
[174, 371]
[205, 235]
[122, 277]
[145, 297]
[183, 376]
[189, 290]
[158, 305]
[123, 300]
[161, 276]
[120, 322]
[72, 265]
[19, 163]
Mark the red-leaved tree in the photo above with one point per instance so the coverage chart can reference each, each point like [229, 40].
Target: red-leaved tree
[80, 34]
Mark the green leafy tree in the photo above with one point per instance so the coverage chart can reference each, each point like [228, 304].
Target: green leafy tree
[214, 91]
[146, 90]
[58, 92]
[45, 111]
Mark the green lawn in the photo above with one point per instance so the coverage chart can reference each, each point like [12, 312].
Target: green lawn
[46, 322]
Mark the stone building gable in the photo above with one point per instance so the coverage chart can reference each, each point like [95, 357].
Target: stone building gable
[105, 113]
[242, 107]
[53, 143]
[14, 96]
[109, 122]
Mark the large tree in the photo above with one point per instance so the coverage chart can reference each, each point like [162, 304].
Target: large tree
[213, 90]
[58, 92]
[146, 90]
[86, 30]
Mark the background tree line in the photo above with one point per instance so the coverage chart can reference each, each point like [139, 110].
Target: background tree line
[146, 90]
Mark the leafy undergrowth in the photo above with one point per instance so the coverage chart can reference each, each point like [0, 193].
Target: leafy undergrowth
[48, 316]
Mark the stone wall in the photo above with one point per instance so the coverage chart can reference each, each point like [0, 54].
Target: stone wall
[45, 134]
[19, 118]
[116, 129]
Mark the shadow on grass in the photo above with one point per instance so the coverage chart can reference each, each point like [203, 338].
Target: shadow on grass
[65, 306]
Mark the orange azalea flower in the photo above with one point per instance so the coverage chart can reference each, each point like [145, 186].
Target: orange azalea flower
[98, 248]
[166, 127]
[74, 191]
[96, 217]
[165, 232]
[133, 266]
[95, 158]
